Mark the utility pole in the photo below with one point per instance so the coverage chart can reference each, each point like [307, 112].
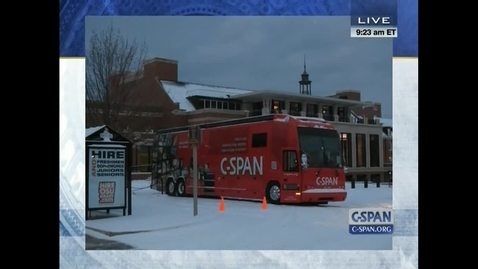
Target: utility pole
[195, 141]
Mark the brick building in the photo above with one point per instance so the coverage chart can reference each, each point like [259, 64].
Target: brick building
[366, 137]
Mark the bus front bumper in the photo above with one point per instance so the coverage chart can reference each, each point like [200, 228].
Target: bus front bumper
[323, 195]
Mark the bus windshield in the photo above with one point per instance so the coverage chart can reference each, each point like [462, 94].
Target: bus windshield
[322, 147]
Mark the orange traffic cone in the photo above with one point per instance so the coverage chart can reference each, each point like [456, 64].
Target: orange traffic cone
[264, 203]
[221, 205]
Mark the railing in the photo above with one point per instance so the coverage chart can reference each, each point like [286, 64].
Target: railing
[344, 119]
[327, 117]
[255, 113]
[141, 168]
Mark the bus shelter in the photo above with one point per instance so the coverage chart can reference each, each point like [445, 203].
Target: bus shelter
[108, 171]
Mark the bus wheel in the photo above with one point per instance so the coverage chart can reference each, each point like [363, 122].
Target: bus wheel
[170, 187]
[273, 193]
[181, 187]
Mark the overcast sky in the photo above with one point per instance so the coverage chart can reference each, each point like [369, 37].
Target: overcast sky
[265, 53]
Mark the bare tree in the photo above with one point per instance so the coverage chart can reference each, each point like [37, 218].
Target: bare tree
[114, 68]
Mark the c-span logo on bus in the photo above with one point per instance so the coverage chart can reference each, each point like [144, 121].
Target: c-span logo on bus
[370, 221]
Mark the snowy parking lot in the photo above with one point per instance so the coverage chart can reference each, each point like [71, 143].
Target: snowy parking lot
[160, 222]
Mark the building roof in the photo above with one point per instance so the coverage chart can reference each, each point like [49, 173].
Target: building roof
[92, 130]
[385, 122]
[93, 135]
[179, 92]
[355, 116]
[386, 135]
[303, 97]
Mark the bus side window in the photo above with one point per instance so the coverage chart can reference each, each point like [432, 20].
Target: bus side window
[259, 140]
[289, 161]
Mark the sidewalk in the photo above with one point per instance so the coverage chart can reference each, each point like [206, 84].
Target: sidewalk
[94, 243]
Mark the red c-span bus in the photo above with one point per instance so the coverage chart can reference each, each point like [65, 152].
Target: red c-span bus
[284, 158]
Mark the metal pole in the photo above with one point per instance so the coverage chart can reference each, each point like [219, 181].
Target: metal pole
[128, 180]
[195, 178]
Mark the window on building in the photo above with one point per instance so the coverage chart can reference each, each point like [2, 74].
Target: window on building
[217, 104]
[361, 150]
[374, 151]
[361, 177]
[346, 141]
[289, 161]
[341, 113]
[200, 104]
[389, 153]
[143, 158]
[259, 140]
[375, 178]
[312, 110]
[328, 112]
[295, 108]
[277, 106]
[256, 108]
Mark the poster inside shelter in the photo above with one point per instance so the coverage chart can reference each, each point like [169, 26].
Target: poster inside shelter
[106, 192]
[107, 177]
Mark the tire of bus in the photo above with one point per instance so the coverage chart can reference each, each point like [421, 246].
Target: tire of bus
[171, 187]
[272, 184]
[181, 187]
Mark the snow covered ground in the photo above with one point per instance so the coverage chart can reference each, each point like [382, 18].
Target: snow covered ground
[160, 222]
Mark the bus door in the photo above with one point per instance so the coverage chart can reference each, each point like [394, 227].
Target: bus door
[209, 182]
[291, 174]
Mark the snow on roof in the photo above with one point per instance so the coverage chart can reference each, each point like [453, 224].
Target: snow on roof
[385, 122]
[107, 146]
[92, 130]
[385, 135]
[356, 117]
[180, 91]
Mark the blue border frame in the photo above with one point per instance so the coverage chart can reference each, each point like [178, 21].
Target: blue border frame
[73, 12]
[72, 40]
